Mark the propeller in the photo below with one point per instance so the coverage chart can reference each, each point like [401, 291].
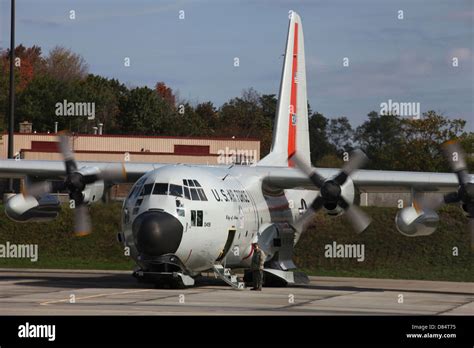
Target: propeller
[455, 155]
[75, 183]
[331, 193]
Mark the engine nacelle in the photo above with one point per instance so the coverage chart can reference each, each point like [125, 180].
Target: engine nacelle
[24, 209]
[348, 193]
[412, 222]
[93, 192]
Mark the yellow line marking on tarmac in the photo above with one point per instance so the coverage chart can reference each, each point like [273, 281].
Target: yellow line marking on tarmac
[92, 296]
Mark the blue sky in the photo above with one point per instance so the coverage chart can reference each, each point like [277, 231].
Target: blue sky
[405, 60]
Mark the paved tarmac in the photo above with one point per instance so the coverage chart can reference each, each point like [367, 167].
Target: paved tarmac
[67, 292]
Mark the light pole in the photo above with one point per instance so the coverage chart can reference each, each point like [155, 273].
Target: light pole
[11, 118]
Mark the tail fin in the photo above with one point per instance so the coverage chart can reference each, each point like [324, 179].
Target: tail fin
[290, 133]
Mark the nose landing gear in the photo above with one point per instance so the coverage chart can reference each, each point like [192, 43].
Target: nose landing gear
[166, 271]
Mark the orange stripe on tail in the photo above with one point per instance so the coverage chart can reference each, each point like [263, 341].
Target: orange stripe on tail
[293, 101]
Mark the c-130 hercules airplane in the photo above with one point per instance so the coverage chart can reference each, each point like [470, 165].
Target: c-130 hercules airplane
[180, 220]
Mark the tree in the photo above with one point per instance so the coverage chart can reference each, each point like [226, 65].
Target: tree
[208, 115]
[318, 138]
[340, 134]
[269, 105]
[106, 94]
[380, 137]
[244, 117]
[165, 93]
[143, 112]
[37, 103]
[394, 143]
[28, 62]
[64, 65]
[422, 139]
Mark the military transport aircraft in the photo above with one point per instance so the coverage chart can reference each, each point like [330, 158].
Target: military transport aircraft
[180, 220]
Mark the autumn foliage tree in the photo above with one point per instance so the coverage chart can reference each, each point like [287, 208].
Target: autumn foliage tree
[64, 65]
[165, 93]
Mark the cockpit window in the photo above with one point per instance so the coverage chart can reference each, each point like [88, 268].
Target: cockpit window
[186, 192]
[160, 189]
[194, 194]
[146, 190]
[176, 190]
[201, 194]
[136, 189]
[192, 190]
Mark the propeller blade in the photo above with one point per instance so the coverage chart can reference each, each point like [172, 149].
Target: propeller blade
[114, 172]
[317, 203]
[308, 215]
[456, 158]
[67, 153]
[357, 159]
[82, 221]
[316, 179]
[433, 202]
[36, 189]
[451, 197]
[304, 219]
[359, 220]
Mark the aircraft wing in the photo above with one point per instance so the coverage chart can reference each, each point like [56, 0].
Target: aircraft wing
[366, 180]
[56, 169]
[277, 177]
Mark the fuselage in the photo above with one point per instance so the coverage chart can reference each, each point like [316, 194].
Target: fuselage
[205, 215]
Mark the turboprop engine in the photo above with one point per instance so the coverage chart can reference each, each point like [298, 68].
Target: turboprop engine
[347, 192]
[336, 194]
[22, 208]
[413, 222]
[85, 185]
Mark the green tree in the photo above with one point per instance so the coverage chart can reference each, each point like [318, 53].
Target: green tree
[340, 134]
[422, 139]
[208, 115]
[142, 111]
[381, 138]
[243, 117]
[394, 143]
[318, 139]
[37, 103]
[186, 122]
[106, 94]
[269, 103]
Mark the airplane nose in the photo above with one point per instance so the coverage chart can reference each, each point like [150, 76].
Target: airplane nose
[157, 233]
